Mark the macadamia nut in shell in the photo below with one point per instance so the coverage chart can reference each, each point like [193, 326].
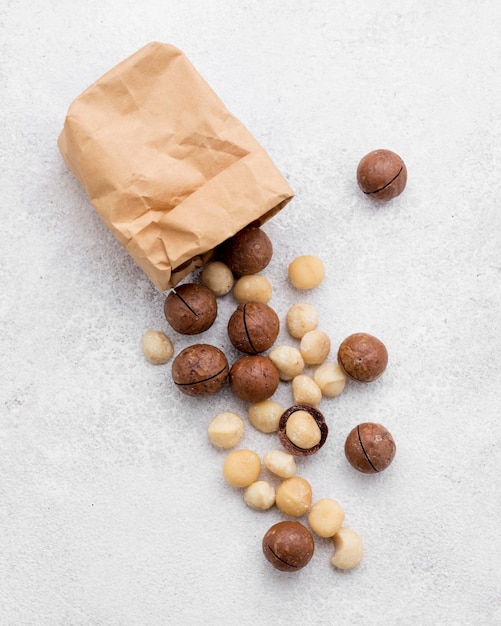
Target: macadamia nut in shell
[288, 546]
[190, 309]
[382, 175]
[254, 378]
[362, 357]
[200, 370]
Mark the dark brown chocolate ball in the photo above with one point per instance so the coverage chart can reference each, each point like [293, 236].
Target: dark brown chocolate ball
[370, 448]
[292, 447]
[190, 308]
[253, 378]
[253, 327]
[382, 175]
[288, 546]
[200, 370]
[362, 357]
[247, 252]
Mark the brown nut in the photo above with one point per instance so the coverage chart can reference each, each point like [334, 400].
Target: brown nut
[253, 378]
[248, 252]
[370, 448]
[382, 175]
[300, 435]
[200, 370]
[288, 546]
[362, 357]
[190, 308]
[253, 327]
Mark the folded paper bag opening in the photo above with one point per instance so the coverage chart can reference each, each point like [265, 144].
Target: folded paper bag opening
[169, 169]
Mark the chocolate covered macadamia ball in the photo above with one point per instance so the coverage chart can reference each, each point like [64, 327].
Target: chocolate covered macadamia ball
[190, 309]
[382, 175]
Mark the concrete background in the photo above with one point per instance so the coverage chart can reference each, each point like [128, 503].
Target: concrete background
[113, 509]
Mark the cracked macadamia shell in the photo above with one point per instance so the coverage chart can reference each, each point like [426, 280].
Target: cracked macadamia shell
[362, 357]
[288, 546]
[253, 327]
[190, 309]
[382, 175]
[200, 370]
[370, 448]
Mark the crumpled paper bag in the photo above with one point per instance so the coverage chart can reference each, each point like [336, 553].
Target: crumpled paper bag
[169, 169]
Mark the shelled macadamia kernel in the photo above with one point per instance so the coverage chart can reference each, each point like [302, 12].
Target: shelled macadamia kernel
[301, 318]
[226, 429]
[348, 549]
[306, 272]
[293, 496]
[280, 463]
[217, 277]
[157, 347]
[326, 517]
[305, 390]
[241, 468]
[253, 288]
[288, 361]
[260, 495]
[265, 415]
[330, 378]
[315, 347]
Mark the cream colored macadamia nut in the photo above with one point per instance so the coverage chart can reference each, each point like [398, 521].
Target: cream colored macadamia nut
[348, 549]
[305, 390]
[265, 415]
[252, 288]
[303, 430]
[241, 468]
[260, 495]
[330, 378]
[157, 347]
[315, 347]
[301, 318]
[306, 272]
[326, 517]
[226, 429]
[288, 361]
[280, 463]
[293, 496]
[217, 277]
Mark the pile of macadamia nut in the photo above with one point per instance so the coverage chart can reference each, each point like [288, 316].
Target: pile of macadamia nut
[202, 369]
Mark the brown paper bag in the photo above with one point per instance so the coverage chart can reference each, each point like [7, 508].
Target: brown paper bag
[168, 168]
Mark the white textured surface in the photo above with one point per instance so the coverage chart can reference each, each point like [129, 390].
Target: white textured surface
[113, 510]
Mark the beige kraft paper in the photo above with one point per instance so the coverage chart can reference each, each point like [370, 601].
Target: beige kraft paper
[169, 169]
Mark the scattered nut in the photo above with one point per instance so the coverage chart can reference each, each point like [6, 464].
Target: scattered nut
[288, 546]
[293, 496]
[253, 378]
[348, 549]
[280, 463]
[247, 252]
[301, 318]
[190, 309]
[326, 517]
[305, 390]
[260, 495]
[265, 415]
[226, 429]
[288, 361]
[370, 448]
[217, 277]
[315, 347]
[305, 427]
[253, 327]
[252, 288]
[241, 468]
[200, 370]
[382, 175]
[362, 357]
[306, 272]
[330, 378]
[157, 347]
